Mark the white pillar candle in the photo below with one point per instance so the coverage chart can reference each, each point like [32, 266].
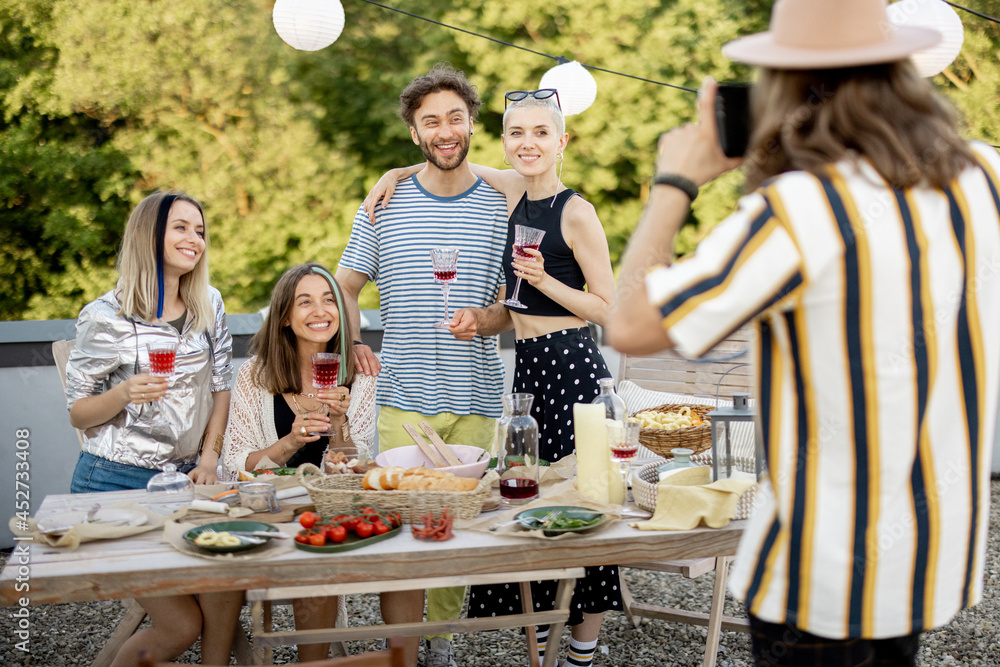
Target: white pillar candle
[593, 456]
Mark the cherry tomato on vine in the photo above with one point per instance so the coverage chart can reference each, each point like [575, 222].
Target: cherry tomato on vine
[337, 533]
[308, 519]
[365, 529]
[302, 537]
[381, 528]
[317, 539]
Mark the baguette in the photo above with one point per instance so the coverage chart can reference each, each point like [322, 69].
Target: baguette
[428, 479]
[382, 479]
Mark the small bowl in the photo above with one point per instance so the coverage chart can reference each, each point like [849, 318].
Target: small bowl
[412, 457]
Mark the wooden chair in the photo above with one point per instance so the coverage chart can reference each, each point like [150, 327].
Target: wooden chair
[391, 657]
[725, 372]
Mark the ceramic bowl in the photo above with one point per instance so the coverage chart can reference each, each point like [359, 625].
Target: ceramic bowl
[412, 457]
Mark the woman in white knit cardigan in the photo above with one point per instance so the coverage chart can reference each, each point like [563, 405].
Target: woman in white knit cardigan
[276, 412]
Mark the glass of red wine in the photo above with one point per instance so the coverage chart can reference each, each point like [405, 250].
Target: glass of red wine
[325, 367]
[445, 261]
[623, 439]
[162, 360]
[518, 463]
[524, 238]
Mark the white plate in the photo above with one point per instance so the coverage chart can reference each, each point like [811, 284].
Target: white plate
[63, 521]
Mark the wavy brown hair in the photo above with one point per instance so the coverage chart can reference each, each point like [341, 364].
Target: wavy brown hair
[275, 344]
[441, 77]
[806, 119]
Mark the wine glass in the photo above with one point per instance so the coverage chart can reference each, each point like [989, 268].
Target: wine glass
[524, 238]
[162, 360]
[623, 439]
[445, 262]
[326, 367]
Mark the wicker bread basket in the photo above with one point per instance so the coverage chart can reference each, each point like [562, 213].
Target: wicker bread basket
[644, 485]
[696, 438]
[334, 494]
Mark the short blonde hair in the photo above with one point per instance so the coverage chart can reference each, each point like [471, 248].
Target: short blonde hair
[137, 285]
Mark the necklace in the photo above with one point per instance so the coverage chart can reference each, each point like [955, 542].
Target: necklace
[299, 409]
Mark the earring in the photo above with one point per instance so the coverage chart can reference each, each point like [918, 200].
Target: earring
[559, 161]
[505, 161]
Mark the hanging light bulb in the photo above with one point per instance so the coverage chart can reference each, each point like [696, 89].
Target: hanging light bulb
[577, 88]
[308, 25]
[936, 15]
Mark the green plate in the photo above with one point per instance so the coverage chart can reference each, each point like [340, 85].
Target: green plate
[352, 542]
[226, 526]
[529, 519]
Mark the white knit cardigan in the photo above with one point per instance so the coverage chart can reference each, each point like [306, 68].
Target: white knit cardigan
[251, 419]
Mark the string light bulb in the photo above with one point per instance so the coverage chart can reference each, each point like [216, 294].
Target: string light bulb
[936, 15]
[308, 25]
[577, 88]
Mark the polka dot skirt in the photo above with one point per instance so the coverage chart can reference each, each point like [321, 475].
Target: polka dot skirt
[559, 369]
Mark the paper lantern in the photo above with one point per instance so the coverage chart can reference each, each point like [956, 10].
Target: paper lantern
[308, 25]
[577, 88]
[936, 15]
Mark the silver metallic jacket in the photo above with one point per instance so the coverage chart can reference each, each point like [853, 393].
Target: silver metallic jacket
[110, 349]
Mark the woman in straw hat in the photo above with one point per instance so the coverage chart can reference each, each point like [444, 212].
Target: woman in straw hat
[865, 254]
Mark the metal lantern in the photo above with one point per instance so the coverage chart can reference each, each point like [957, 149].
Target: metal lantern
[308, 25]
[936, 15]
[577, 88]
[721, 418]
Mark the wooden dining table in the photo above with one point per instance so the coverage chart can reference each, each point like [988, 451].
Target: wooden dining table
[147, 566]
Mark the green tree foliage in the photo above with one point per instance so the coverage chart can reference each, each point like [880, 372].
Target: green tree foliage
[103, 102]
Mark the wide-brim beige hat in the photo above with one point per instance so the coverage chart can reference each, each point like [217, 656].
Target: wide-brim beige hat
[825, 34]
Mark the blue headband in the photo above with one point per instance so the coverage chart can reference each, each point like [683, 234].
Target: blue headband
[160, 232]
[344, 335]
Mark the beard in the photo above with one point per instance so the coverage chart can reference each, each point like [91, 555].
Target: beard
[446, 164]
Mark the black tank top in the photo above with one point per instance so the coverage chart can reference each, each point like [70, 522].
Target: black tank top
[559, 260]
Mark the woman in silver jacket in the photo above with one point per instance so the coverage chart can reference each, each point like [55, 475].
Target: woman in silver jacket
[136, 423]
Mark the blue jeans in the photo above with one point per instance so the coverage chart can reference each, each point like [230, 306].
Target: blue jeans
[93, 474]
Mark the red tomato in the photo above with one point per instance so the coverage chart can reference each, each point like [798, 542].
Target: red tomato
[317, 539]
[337, 533]
[302, 537]
[365, 529]
[381, 528]
[307, 519]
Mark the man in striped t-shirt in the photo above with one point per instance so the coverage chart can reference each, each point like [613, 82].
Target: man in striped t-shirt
[428, 374]
[868, 257]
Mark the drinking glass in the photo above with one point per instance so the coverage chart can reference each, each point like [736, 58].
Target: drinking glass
[326, 367]
[623, 439]
[524, 238]
[518, 459]
[445, 262]
[162, 361]
[162, 358]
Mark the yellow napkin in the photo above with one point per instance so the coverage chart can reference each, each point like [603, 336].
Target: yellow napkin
[686, 498]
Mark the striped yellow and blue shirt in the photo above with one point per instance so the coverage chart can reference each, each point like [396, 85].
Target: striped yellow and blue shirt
[878, 363]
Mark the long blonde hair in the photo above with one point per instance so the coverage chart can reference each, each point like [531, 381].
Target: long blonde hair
[806, 119]
[137, 290]
[275, 344]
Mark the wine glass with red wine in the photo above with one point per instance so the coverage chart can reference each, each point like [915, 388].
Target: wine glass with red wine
[326, 367]
[525, 238]
[162, 361]
[518, 461]
[445, 261]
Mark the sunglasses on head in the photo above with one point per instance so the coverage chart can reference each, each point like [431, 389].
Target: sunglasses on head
[541, 94]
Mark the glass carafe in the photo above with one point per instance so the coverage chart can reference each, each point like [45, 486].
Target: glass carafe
[518, 457]
[614, 406]
[173, 482]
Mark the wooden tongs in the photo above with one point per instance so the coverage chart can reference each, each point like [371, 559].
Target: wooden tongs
[438, 452]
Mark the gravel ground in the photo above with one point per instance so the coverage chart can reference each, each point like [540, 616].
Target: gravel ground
[73, 634]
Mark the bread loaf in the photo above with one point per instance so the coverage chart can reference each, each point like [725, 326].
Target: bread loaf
[382, 479]
[429, 479]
